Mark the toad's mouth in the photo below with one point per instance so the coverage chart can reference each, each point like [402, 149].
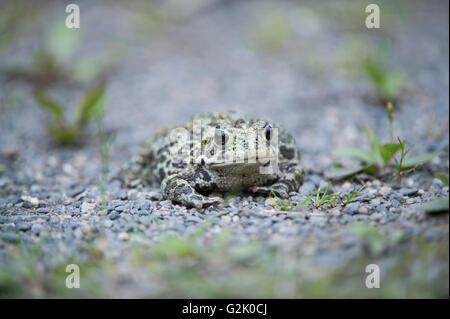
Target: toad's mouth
[245, 162]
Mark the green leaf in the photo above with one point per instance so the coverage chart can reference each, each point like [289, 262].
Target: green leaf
[418, 160]
[308, 199]
[50, 105]
[92, 105]
[388, 151]
[375, 146]
[387, 82]
[438, 205]
[343, 173]
[374, 70]
[353, 152]
[371, 170]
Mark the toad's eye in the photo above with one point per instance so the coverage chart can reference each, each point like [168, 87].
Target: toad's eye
[268, 132]
[220, 137]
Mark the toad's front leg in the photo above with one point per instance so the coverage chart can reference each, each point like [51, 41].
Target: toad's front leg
[290, 181]
[178, 189]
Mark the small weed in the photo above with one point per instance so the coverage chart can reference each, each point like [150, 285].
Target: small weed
[381, 155]
[89, 110]
[325, 198]
[403, 154]
[352, 195]
[320, 198]
[53, 61]
[280, 205]
[48, 63]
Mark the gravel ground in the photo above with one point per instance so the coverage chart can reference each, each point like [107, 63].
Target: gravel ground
[217, 58]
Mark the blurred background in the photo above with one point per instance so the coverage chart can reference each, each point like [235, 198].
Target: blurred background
[313, 66]
[76, 104]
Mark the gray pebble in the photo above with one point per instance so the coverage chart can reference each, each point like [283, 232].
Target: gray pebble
[352, 208]
[382, 209]
[364, 210]
[27, 204]
[145, 205]
[120, 208]
[395, 203]
[166, 203]
[396, 196]
[42, 211]
[123, 195]
[76, 191]
[113, 216]
[408, 191]
[145, 220]
[255, 214]
[364, 198]
[14, 200]
[155, 196]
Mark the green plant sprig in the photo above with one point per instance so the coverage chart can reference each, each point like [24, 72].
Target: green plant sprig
[352, 195]
[89, 110]
[280, 205]
[320, 198]
[380, 155]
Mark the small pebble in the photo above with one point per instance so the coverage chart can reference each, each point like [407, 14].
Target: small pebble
[113, 216]
[42, 210]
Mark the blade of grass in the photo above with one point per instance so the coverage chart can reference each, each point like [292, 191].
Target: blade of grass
[388, 151]
[353, 152]
[418, 160]
[50, 105]
[92, 105]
